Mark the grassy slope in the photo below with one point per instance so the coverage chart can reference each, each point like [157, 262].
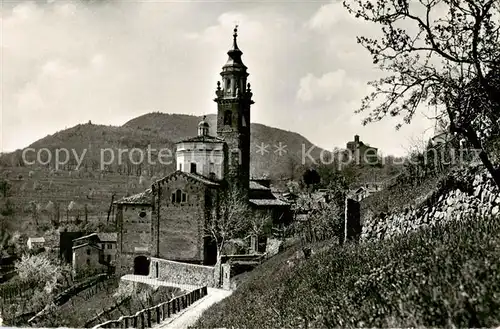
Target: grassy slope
[434, 277]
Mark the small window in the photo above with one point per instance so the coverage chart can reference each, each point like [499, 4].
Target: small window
[180, 166]
[110, 246]
[184, 197]
[109, 258]
[88, 251]
[228, 118]
[142, 214]
[178, 196]
[193, 168]
[173, 197]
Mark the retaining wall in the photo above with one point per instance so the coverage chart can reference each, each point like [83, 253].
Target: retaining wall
[182, 273]
[464, 193]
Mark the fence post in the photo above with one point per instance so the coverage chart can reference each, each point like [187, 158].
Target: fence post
[143, 320]
[163, 311]
[136, 321]
[158, 318]
[126, 323]
[169, 304]
[148, 315]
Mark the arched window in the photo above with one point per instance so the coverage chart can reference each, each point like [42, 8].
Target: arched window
[228, 118]
[179, 197]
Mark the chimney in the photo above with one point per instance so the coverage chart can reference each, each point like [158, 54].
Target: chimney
[356, 138]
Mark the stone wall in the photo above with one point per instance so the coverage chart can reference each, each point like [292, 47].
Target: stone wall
[134, 228]
[178, 227]
[182, 273]
[464, 193]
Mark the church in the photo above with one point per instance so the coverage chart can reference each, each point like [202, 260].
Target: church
[169, 219]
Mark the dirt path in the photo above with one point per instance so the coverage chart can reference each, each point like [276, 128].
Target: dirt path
[188, 316]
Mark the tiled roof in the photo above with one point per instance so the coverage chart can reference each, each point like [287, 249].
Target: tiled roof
[201, 179]
[139, 198]
[104, 237]
[85, 245]
[256, 186]
[301, 217]
[205, 139]
[268, 202]
[107, 237]
[196, 177]
[42, 239]
[86, 237]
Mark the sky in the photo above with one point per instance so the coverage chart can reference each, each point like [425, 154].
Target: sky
[68, 62]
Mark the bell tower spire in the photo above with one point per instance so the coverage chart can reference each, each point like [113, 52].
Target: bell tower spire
[234, 98]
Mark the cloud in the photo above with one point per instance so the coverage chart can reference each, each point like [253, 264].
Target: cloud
[329, 16]
[329, 86]
[68, 62]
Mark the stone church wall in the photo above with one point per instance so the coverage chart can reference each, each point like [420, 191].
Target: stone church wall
[180, 225]
[183, 273]
[464, 193]
[133, 229]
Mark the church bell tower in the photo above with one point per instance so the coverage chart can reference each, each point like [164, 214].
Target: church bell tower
[234, 98]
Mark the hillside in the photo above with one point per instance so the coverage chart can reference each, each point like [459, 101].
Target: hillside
[162, 130]
[441, 277]
[431, 262]
[175, 127]
[34, 187]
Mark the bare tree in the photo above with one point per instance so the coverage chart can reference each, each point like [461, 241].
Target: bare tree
[257, 223]
[231, 220]
[440, 53]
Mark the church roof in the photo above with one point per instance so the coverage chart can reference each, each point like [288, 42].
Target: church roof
[195, 177]
[144, 198]
[234, 54]
[204, 139]
[139, 198]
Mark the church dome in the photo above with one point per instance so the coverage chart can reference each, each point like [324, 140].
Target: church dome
[203, 127]
[203, 124]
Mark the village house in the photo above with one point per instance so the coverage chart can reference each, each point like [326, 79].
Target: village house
[361, 153]
[169, 220]
[365, 190]
[95, 252]
[36, 243]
